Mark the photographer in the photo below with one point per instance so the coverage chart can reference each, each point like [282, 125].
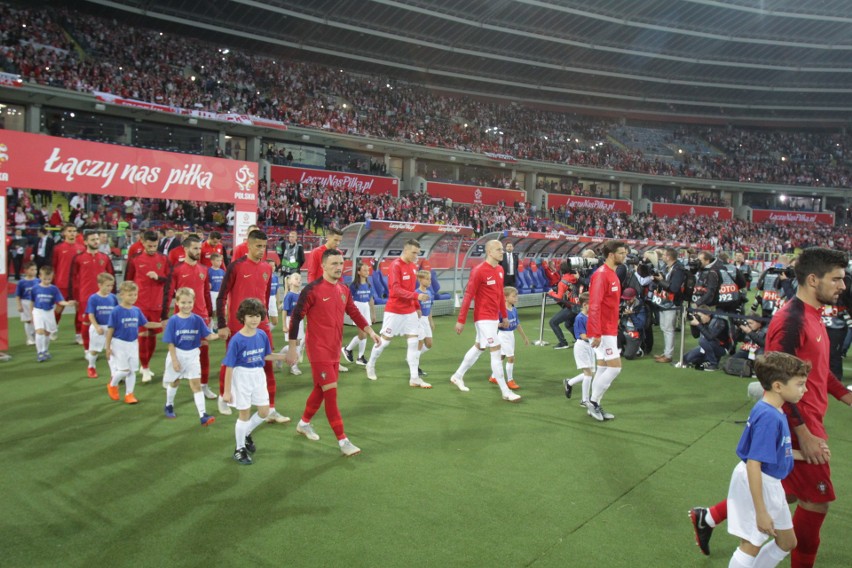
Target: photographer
[567, 296]
[744, 268]
[667, 296]
[787, 282]
[633, 318]
[837, 319]
[750, 333]
[713, 340]
[769, 297]
[708, 281]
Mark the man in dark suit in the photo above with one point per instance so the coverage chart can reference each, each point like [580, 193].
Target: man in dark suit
[169, 242]
[510, 265]
[43, 250]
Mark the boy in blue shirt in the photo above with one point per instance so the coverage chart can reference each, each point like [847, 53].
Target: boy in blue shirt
[99, 308]
[24, 297]
[294, 288]
[427, 325]
[122, 341]
[584, 354]
[757, 504]
[183, 335]
[506, 333]
[216, 274]
[46, 297]
[272, 312]
[362, 295]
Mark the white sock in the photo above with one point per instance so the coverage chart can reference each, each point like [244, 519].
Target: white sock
[29, 329]
[412, 357]
[603, 379]
[117, 377]
[362, 347]
[200, 403]
[376, 352]
[770, 556]
[497, 371]
[574, 380]
[300, 348]
[741, 560]
[130, 382]
[510, 367]
[708, 518]
[170, 395]
[92, 358]
[587, 386]
[41, 343]
[423, 349]
[254, 422]
[354, 343]
[469, 361]
[240, 431]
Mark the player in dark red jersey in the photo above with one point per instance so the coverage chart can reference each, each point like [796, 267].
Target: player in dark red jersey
[485, 289]
[602, 327]
[213, 245]
[150, 271]
[178, 254]
[242, 249]
[313, 262]
[797, 328]
[324, 301]
[190, 274]
[85, 268]
[63, 255]
[138, 247]
[247, 277]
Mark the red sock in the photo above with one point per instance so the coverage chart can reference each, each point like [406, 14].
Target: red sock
[270, 382]
[222, 370]
[719, 511]
[85, 331]
[152, 346]
[77, 325]
[313, 404]
[807, 525]
[205, 364]
[144, 355]
[333, 413]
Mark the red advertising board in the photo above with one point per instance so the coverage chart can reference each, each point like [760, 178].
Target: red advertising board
[473, 194]
[676, 210]
[418, 227]
[337, 181]
[583, 202]
[804, 217]
[63, 164]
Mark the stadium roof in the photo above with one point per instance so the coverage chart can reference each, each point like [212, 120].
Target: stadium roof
[778, 61]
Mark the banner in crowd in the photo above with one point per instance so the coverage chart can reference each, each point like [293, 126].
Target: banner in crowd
[805, 217]
[500, 157]
[63, 164]
[404, 226]
[337, 181]
[11, 80]
[677, 209]
[245, 119]
[474, 194]
[583, 202]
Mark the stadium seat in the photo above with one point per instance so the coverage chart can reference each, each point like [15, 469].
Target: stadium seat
[436, 288]
[380, 290]
[522, 282]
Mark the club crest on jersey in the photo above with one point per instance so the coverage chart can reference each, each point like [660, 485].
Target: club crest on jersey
[159, 265]
[101, 261]
[343, 298]
[822, 487]
[490, 340]
[265, 276]
[609, 351]
[201, 275]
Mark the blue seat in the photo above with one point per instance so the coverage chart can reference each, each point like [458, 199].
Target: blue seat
[380, 290]
[436, 287]
[540, 282]
[522, 282]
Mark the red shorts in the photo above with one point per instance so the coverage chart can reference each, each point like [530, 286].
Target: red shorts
[810, 482]
[325, 373]
[151, 315]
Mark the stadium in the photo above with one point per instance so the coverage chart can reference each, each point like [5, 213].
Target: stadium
[711, 133]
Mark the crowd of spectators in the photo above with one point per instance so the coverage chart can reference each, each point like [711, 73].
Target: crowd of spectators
[158, 67]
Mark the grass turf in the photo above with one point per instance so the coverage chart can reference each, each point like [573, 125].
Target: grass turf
[445, 478]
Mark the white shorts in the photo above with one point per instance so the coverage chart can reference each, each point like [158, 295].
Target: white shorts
[44, 319]
[401, 324]
[248, 388]
[742, 520]
[26, 310]
[425, 329]
[608, 349]
[487, 333]
[272, 311]
[301, 329]
[364, 308]
[125, 355]
[507, 343]
[584, 355]
[190, 366]
[213, 297]
[97, 342]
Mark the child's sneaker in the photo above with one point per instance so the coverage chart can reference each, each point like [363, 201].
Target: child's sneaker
[207, 420]
[421, 373]
[492, 380]
[569, 388]
[208, 394]
[295, 370]
[31, 341]
[169, 411]
[146, 375]
[41, 358]
[242, 456]
[223, 407]
[92, 373]
[512, 384]
[361, 361]
[130, 399]
[47, 356]
[274, 417]
[112, 391]
[250, 444]
[347, 354]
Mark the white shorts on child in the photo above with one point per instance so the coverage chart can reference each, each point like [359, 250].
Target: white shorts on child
[742, 520]
[364, 308]
[401, 324]
[425, 329]
[248, 388]
[608, 349]
[301, 330]
[44, 319]
[26, 310]
[272, 310]
[584, 355]
[487, 333]
[97, 341]
[190, 366]
[125, 355]
[213, 297]
[507, 343]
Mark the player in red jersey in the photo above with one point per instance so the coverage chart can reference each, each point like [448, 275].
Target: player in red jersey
[313, 262]
[602, 326]
[136, 248]
[213, 245]
[324, 301]
[401, 317]
[63, 255]
[190, 274]
[485, 289]
[247, 277]
[178, 254]
[797, 329]
[242, 249]
[85, 268]
[150, 271]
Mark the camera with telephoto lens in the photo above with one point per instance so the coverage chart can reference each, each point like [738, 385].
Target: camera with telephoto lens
[580, 262]
[787, 271]
[694, 265]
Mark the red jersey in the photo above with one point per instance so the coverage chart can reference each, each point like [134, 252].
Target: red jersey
[243, 279]
[604, 300]
[150, 290]
[241, 250]
[402, 288]
[797, 329]
[486, 287]
[324, 304]
[85, 268]
[63, 255]
[313, 264]
[134, 249]
[185, 275]
[208, 250]
[176, 255]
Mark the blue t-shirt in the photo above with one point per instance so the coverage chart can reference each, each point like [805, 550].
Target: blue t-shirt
[426, 305]
[24, 289]
[101, 307]
[580, 324]
[512, 319]
[361, 292]
[247, 351]
[186, 333]
[126, 322]
[273, 289]
[290, 302]
[46, 297]
[216, 276]
[767, 439]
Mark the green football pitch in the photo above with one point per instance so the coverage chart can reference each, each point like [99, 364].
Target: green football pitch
[445, 478]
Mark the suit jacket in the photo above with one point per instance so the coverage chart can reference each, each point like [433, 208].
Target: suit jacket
[166, 250]
[47, 258]
[505, 263]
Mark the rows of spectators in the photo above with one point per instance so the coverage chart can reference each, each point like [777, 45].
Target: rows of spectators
[152, 66]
